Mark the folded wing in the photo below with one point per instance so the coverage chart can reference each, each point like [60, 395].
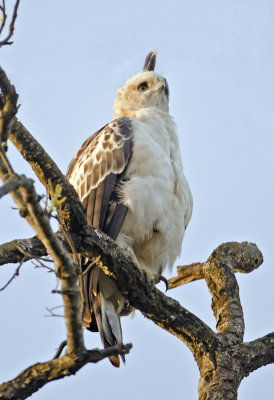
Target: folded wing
[95, 173]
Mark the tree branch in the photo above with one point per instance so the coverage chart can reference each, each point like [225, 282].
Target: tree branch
[36, 376]
[28, 202]
[91, 242]
[258, 353]
[222, 284]
[4, 16]
[10, 186]
[76, 356]
[14, 251]
[195, 271]
[218, 356]
[8, 106]
[186, 274]
[11, 27]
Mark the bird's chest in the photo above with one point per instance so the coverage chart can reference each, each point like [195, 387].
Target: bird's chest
[151, 159]
[150, 188]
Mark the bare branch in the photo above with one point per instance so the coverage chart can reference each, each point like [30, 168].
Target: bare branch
[218, 355]
[9, 107]
[10, 186]
[11, 27]
[28, 202]
[77, 355]
[243, 263]
[186, 274]
[93, 243]
[16, 273]
[4, 16]
[258, 353]
[53, 314]
[12, 252]
[222, 284]
[60, 349]
[39, 374]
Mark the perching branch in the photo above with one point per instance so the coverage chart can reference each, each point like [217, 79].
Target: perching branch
[221, 357]
[27, 201]
[76, 355]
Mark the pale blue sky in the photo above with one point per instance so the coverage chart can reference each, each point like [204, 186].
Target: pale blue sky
[67, 61]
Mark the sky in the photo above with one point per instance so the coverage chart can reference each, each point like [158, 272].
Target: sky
[67, 62]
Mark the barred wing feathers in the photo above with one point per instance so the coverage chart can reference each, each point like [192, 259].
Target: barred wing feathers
[95, 172]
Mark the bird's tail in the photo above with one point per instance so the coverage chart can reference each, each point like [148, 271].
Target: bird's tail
[102, 304]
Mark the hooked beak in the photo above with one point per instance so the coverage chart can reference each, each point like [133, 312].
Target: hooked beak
[166, 89]
[163, 86]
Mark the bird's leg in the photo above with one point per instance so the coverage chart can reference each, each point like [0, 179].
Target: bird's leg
[151, 278]
[146, 274]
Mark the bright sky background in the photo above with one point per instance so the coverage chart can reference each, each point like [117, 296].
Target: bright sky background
[67, 62]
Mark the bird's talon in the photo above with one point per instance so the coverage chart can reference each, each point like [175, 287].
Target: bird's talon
[163, 279]
[159, 278]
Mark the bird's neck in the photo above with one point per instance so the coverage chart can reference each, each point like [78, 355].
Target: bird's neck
[137, 112]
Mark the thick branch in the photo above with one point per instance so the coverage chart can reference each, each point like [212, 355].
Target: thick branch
[195, 271]
[258, 353]
[222, 284]
[14, 251]
[162, 310]
[36, 376]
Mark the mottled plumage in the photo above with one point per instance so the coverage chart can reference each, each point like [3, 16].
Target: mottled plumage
[130, 179]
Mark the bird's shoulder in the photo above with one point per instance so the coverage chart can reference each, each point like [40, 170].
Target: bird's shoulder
[107, 151]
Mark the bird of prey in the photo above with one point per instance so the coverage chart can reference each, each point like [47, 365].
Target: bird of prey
[129, 178]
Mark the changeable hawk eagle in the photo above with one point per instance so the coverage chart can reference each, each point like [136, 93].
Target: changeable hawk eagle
[129, 177]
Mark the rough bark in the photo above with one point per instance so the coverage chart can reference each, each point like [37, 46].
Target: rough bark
[33, 378]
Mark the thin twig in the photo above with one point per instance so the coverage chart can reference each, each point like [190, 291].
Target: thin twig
[11, 27]
[7, 164]
[70, 242]
[4, 16]
[60, 349]
[16, 273]
[52, 314]
[43, 266]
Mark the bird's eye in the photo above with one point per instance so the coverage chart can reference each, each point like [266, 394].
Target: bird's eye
[142, 87]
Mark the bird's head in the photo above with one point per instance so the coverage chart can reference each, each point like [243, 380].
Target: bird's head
[144, 90]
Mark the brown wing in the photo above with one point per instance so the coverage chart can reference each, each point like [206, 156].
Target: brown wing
[95, 171]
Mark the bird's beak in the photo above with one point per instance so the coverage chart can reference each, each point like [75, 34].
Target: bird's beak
[163, 86]
[150, 61]
[166, 89]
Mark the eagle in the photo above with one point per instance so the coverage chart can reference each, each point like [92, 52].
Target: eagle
[129, 178]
